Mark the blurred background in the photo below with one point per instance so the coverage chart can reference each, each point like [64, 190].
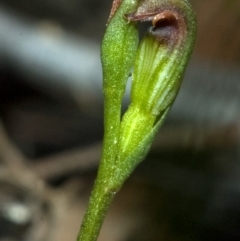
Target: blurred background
[51, 128]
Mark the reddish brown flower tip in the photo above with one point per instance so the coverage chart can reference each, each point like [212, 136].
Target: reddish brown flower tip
[115, 6]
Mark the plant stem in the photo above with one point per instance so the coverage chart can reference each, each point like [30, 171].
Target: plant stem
[104, 187]
[100, 201]
[112, 115]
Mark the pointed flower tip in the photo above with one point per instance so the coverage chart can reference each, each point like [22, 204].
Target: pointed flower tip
[115, 6]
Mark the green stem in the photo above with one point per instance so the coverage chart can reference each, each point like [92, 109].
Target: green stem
[104, 188]
[112, 115]
[100, 200]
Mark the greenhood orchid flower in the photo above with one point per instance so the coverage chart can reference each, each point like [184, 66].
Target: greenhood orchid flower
[158, 66]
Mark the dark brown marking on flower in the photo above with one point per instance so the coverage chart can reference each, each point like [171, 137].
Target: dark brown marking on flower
[169, 24]
[166, 18]
[168, 27]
